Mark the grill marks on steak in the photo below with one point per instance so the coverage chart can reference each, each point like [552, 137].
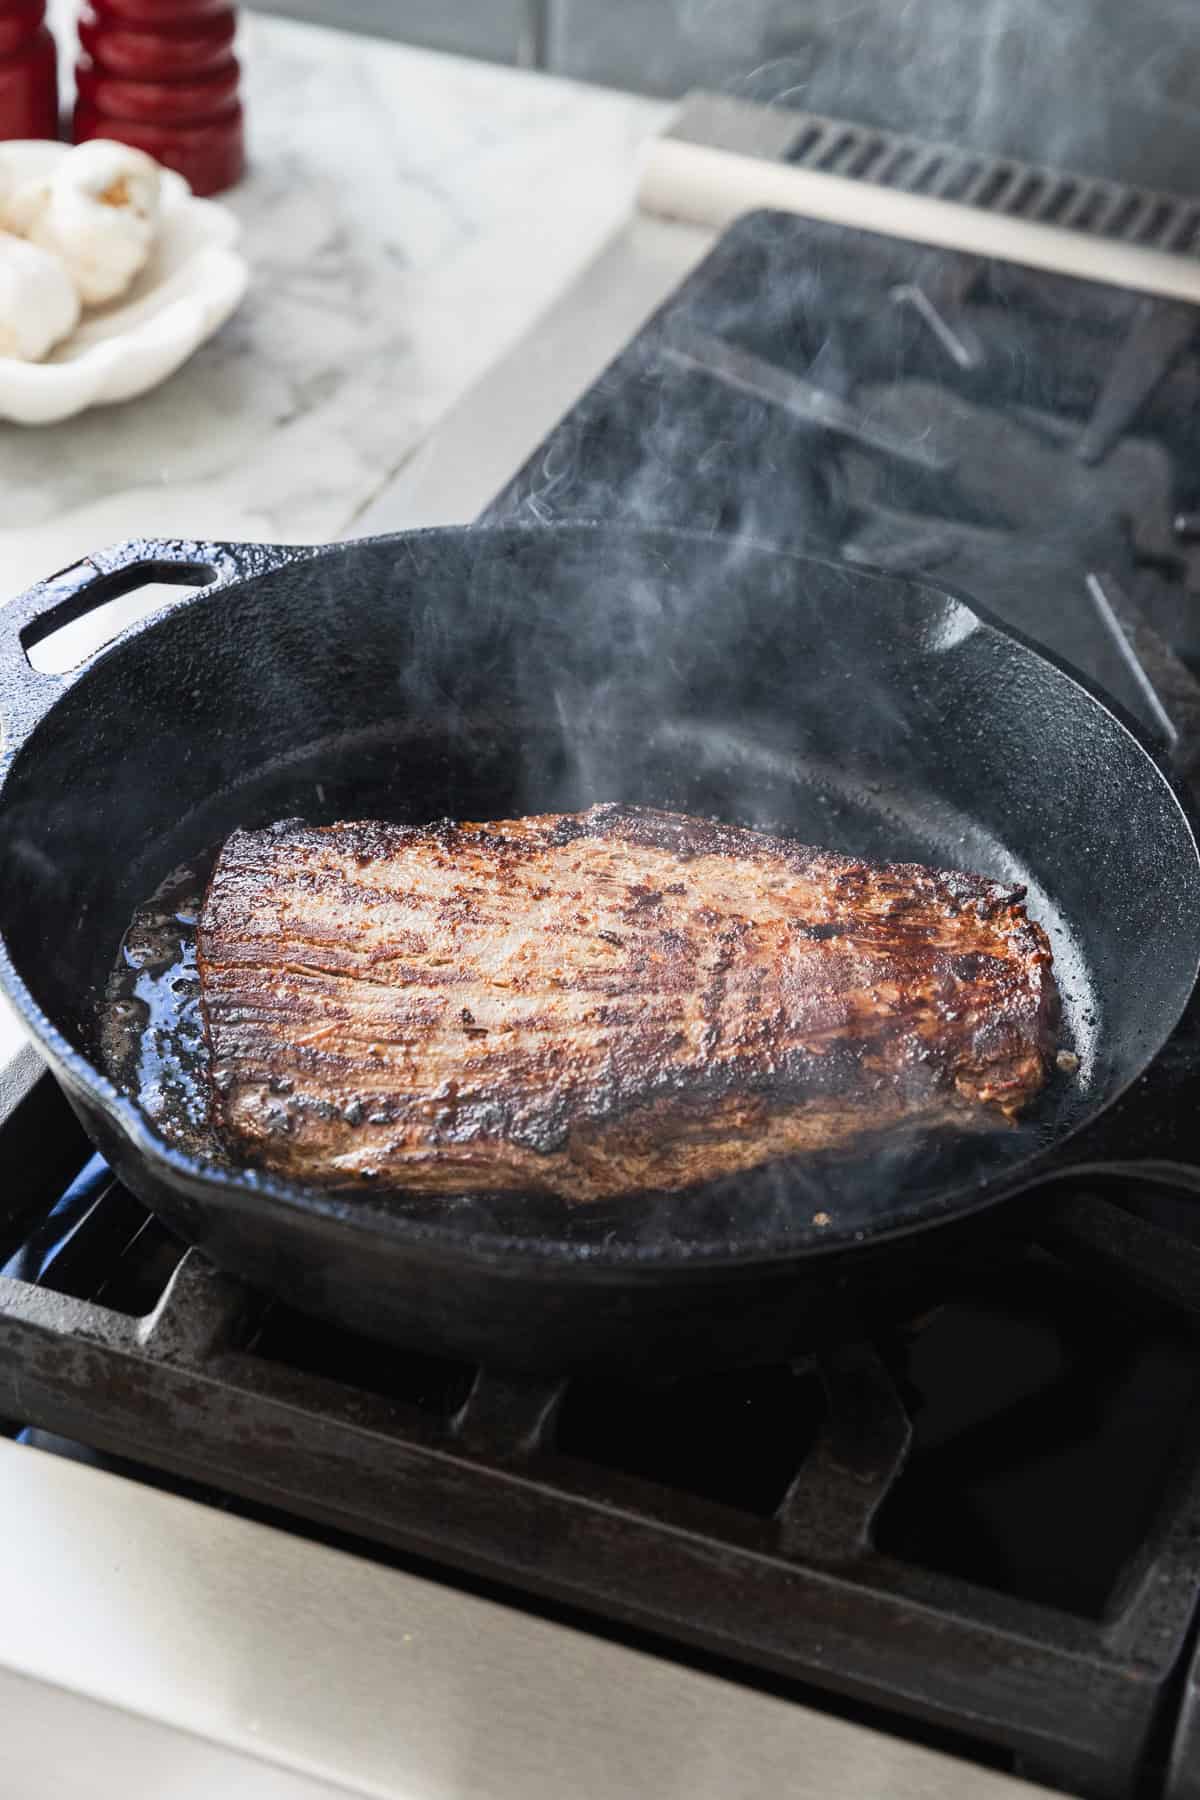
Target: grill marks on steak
[591, 1004]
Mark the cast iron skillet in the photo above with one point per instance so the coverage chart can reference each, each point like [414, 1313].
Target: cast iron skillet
[488, 673]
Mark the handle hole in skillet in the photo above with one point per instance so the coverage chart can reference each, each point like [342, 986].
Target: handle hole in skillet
[83, 623]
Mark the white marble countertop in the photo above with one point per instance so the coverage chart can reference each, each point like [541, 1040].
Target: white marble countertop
[407, 217]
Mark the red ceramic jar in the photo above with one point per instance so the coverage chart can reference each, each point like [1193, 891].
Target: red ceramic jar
[161, 75]
[143, 52]
[20, 20]
[28, 72]
[207, 96]
[160, 15]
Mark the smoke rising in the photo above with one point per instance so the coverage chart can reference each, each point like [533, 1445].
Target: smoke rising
[1100, 86]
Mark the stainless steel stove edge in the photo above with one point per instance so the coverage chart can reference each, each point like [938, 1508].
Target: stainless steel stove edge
[289, 1659]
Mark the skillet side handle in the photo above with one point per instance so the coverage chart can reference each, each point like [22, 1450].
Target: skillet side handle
[26, 693]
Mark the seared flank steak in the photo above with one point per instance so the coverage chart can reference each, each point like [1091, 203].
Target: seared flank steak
[589, 1004]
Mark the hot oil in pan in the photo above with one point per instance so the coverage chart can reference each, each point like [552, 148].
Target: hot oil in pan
[152, 1034]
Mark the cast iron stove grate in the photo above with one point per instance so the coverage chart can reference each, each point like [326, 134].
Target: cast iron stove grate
[982, 1514]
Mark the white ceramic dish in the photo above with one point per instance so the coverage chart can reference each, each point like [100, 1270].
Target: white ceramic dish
[193, 281]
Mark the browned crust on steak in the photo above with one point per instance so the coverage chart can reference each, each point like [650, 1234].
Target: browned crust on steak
[598, 1003]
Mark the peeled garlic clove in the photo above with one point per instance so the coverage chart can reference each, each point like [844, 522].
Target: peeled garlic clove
[23, 206]
[98, 211]
[38, 302]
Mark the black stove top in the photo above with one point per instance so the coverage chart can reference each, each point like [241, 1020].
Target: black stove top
[1028, 438]
[974, 1518]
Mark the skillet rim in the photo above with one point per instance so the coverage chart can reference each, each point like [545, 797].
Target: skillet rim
[176, 1169]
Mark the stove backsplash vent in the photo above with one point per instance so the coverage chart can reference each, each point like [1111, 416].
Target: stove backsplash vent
[1020, 190]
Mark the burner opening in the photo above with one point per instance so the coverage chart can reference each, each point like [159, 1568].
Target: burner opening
[1045, 1424]
[434, 1384]
[737, 1439]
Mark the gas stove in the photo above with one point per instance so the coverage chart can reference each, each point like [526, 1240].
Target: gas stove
[958, 1548]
